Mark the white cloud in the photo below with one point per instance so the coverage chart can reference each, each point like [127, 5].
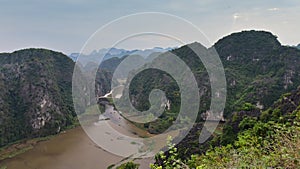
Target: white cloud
[273, 9]
[237, 16]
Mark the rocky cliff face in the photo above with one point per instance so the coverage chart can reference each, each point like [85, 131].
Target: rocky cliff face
[35, 94]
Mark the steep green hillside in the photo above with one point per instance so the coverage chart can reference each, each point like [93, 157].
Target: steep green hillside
[35, 94]
[269, 140]
[257, 67]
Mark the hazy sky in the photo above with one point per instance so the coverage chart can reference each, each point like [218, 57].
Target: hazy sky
[65, 25]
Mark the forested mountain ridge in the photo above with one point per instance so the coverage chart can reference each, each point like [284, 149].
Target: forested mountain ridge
[35, 94]
[257, 67]
[259, 71]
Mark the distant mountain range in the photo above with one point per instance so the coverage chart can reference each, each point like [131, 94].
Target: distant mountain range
[297, 46]
[109, 53]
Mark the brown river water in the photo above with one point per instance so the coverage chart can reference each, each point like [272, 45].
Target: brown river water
[72, 149]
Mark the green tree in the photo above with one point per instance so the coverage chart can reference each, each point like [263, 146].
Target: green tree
[129, 165]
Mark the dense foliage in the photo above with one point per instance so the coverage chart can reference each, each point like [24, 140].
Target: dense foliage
[128, 165]
[35, 94]
[258, 71]
[261, 143]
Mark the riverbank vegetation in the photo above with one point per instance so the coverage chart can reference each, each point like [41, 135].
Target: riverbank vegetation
[20, 147]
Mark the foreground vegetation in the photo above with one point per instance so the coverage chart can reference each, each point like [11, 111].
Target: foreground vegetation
[265, 145]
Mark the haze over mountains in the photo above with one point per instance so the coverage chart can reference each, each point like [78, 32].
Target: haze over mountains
[115, 52]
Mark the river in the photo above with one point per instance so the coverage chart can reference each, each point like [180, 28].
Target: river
[73, 149]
